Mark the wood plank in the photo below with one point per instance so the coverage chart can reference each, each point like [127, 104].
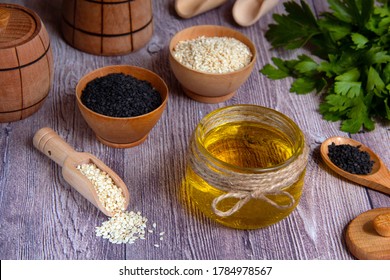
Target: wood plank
[44, 218]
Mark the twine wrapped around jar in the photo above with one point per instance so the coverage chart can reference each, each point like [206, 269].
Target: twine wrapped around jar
[245, 186]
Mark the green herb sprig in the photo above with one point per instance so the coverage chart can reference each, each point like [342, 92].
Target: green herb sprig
[352, 42]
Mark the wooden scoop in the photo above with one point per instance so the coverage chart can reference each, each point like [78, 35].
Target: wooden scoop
[378, 179]
[191, 8]
[248, 12]
[52, 145]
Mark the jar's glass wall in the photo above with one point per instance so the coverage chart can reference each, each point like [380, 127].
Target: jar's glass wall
[244, 139]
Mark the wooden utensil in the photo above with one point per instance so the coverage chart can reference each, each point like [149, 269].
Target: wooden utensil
[50, 143]
[378, 179]
[248, 12]
[26, 63]
[362, 239]
[189, 9]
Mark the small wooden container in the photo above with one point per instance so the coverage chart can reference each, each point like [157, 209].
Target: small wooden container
[26, 63]
[109, 27]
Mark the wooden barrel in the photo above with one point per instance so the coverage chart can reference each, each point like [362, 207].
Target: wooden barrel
[26, 63]
[107, 27]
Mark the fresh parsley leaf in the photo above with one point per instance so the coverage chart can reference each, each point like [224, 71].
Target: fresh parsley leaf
[351, 89]
[379, 56]
[379, 21]
[357, 12]
[374, 82]
[302, 25]
[334, 107]
[337, 103]
[274, 73]
[386, 74]
[348, 84]
[282, 65]
[303, 85]
[341, 10]
[352, 42]
[336, 29]
[306, 65]
[357, 118]
[349, 76]
[359, 40]
[387, 108]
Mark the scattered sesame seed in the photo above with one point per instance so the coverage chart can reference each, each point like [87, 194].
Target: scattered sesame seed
[124, 226]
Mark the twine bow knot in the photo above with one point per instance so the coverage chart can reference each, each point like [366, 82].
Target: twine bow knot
[245, 198]
[245, 187]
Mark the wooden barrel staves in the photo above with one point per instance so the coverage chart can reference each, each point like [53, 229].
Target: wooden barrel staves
[26, 63]
[107, 27]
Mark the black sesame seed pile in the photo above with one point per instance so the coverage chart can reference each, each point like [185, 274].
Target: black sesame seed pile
[120, 95]
[350, 158]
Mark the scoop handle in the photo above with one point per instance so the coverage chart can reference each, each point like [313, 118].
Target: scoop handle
[381, 180]
[52, 145]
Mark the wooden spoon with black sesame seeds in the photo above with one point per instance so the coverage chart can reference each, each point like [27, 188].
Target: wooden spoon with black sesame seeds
[52, 145]
[378, 179]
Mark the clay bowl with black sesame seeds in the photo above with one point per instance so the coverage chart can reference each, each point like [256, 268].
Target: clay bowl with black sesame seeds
[116, 103]
[211, 62]
[377, 179]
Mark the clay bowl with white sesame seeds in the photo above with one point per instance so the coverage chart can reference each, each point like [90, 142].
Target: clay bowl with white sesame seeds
[211, 62]
[123, 131]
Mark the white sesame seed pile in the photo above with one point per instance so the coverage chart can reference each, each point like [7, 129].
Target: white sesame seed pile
[213, 54]
[127, 227]
[123, 226]
[109, 194]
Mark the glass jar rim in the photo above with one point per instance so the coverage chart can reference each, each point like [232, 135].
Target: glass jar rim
[286, 120]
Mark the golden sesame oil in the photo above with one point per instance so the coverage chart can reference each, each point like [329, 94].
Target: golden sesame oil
[250, 147]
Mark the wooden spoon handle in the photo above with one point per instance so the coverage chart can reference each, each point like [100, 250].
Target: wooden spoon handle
[381, 181]
[52, 145]
[187, 10]
[248, 12]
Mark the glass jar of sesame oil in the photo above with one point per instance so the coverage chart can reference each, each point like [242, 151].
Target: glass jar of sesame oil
[246, 166]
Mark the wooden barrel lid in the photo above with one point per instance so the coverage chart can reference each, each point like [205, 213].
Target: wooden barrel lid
[362, 239]
[17, 25]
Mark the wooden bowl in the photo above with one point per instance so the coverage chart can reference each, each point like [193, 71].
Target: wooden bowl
[210, 87]
[122, 132]
[26, 63]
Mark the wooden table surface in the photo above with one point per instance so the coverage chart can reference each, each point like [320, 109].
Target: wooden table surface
[42, 217]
